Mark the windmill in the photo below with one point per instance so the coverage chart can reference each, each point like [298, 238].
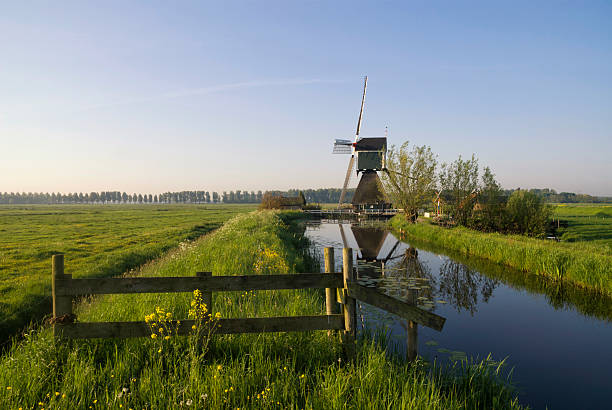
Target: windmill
[371, 155]
[438, 204]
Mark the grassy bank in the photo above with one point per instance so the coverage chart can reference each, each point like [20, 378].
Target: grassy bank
[98, 240]
[584, 264]
[284, 370]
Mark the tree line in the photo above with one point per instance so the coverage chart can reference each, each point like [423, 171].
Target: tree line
[117, 197]
[320, 196]
[324, 195]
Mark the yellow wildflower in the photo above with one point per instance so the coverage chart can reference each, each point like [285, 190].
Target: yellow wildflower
[167, 337]
[57, 393]
[193, 327]
[8, 387]
[218, 315]
[63, 396]
[153, 336]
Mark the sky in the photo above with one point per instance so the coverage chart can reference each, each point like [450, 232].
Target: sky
[164, 96]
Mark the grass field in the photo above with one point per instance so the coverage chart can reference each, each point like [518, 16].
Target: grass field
[272, 371]
[98, 240]
[585, 222]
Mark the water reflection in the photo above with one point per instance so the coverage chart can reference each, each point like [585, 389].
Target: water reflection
[563, 364]
[460, 286]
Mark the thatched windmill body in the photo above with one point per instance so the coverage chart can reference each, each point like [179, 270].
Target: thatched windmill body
[370, 154]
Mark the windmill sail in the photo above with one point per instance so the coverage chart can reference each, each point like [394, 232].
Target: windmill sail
[352, 160]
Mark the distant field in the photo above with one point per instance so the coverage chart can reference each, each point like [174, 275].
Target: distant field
[98, 240]
[585, 222]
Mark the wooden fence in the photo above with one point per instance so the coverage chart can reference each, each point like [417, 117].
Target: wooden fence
[341, 288]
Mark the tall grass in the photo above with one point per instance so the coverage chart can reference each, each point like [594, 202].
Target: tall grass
[585, 265]
[282, 370]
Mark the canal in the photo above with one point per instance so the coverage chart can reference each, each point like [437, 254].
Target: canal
[555, 340]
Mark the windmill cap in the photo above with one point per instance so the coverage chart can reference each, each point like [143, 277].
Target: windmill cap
[371, 144]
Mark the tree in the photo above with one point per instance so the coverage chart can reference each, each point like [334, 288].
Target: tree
[459, 183]
[491, 201]
[411, 178]
[527, 213]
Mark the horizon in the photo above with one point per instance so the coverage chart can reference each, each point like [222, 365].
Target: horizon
[162, 97]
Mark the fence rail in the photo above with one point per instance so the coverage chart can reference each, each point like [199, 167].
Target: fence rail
[80, 287]
[342, 291]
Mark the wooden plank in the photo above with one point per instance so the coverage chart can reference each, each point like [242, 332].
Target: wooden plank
[93, 330]
[79, 287]
[390, 304]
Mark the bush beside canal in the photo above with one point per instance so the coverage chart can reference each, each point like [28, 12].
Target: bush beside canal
[284, 370]
[583, 264]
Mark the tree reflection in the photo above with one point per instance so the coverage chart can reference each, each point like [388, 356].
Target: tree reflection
[461, 286]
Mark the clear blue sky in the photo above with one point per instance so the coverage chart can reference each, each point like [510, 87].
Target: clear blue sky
[155, 96]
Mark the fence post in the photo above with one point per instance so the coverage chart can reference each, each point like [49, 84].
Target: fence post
[350, 305]
[206, 294]
[330, 294]
[62, 305]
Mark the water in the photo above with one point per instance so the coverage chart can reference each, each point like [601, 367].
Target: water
[557, 340]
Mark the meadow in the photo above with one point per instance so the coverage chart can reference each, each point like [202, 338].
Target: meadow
[585, 222]
[98, 240]
[273, 371]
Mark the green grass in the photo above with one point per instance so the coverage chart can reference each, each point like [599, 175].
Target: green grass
[584, 264]
[585, 222]
[275, 371]
[98, 240]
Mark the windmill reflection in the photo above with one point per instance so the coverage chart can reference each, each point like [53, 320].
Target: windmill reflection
[393, 269]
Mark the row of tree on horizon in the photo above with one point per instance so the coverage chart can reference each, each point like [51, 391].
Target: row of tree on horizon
[321, 195]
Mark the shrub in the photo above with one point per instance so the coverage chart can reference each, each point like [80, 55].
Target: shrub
[271, 201]
[526, 213]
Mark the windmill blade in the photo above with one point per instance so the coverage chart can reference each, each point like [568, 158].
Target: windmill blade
[365, 86]
[342, 147]
[349, 171]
